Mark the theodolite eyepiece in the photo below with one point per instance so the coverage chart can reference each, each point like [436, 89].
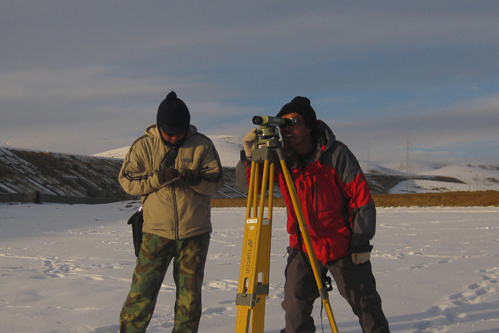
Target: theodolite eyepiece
[272, 121]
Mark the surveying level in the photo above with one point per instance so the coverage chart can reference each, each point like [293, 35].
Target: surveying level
[268, 134]
[253, 285]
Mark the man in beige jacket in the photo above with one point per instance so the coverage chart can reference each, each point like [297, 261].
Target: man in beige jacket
[174, 169]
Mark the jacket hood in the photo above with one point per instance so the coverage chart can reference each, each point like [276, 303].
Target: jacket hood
[153, 131]
[325, 136]
[325, 139]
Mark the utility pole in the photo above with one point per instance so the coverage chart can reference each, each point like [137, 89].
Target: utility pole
[368, 155]
[408, 166]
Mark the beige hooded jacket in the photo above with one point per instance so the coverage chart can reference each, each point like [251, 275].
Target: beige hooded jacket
[175, 211]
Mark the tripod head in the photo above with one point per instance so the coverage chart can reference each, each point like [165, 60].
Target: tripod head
[268, 134]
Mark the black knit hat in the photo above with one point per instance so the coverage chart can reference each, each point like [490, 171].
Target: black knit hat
[173, 115]
[301, 105]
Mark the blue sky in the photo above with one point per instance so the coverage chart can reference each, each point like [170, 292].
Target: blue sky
[87, 76]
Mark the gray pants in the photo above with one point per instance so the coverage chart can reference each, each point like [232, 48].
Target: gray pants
[355, 283]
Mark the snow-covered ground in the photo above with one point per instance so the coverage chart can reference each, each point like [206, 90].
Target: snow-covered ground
[67, 268]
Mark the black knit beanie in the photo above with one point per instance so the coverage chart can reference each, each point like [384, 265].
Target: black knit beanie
[173, 115]
[301, 105]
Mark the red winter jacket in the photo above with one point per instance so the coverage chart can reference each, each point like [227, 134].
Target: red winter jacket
[335, 199]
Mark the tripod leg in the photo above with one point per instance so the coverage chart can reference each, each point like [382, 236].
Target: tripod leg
[308, 243]
[253, 284]
[252, 189]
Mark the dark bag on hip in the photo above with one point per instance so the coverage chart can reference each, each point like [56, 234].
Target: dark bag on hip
[136, 220]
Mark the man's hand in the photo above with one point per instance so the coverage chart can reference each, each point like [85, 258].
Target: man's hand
[249, 141]
[360, 258]
[167, 174]
[190, 177]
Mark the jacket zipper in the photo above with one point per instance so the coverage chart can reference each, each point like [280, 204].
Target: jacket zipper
[175, 212]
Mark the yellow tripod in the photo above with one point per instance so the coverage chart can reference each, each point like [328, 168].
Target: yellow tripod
[253, 285]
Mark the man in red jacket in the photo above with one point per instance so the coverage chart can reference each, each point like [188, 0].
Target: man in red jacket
[340, 217]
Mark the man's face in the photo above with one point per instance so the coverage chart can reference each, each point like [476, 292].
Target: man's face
[297, 136]
[172, 138]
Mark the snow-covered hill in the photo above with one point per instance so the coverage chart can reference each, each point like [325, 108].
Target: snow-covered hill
[474, 176]
[228, 148]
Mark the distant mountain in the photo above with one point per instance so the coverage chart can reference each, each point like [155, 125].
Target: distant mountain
[228, 148]
[115, 153]
[421, 176]
[56, 177]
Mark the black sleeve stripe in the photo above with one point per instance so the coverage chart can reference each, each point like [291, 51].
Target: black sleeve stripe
[128, 176]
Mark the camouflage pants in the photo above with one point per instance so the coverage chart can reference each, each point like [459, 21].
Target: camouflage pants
[156, 253]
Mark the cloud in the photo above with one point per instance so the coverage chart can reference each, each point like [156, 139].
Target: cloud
[92, 109]
[434, 133]
[87, 76]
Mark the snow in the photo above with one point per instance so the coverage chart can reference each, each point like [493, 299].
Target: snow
[228, 147]
[67, 268]
[475, 177]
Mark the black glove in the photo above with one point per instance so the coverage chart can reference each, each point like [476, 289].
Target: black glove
[361, 254]
[167, 174]
[190, 177]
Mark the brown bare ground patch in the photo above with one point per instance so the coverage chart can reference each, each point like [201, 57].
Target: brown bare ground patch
[449, 199]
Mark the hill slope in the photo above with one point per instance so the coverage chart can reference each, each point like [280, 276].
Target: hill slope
[392, 178]
[55, 175]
